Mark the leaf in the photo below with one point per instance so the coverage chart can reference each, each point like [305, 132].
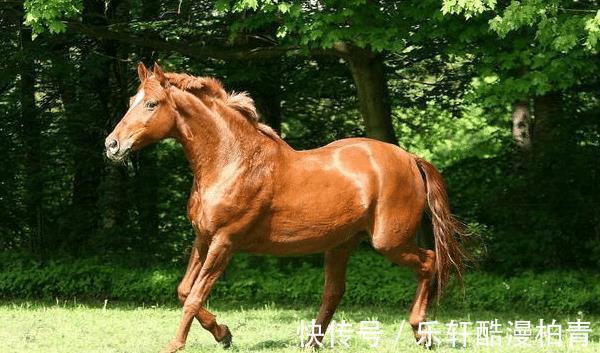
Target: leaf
[56, 27]
[592, 26]
[30, 18]
[284, 7]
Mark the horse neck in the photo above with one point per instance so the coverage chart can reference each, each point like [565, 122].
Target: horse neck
[212, 137]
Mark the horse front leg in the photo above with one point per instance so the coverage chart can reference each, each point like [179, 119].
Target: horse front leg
[205, 318]
[197, 258]
[217, 257]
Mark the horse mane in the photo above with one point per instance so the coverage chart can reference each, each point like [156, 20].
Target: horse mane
[197, 86]
[209, 86]
[243, 103]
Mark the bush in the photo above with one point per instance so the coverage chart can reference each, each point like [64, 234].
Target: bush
[372, 280]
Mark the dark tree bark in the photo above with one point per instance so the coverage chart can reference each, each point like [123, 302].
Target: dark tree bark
[86, 99]
[368, 72]
[548, 129]
[30, 120]
[266, 91]
[146, 182]
[115, 193]
[269, 108]
[146, 178]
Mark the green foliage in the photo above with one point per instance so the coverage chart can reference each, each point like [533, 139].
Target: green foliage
[454, 70]
[324, 24]
[592, 26]
[445, 139]
[558, 27]
[547, 45]
[467, 7]
[372, 280]
[557, 24]
[528, 224]
[48, 14]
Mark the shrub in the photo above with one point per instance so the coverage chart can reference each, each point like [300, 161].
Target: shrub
[372, 280]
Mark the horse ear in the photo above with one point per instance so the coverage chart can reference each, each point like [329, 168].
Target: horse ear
[160, 75]
[143, 72]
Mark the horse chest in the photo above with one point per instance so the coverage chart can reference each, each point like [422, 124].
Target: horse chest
[204, 215]
[213, 205]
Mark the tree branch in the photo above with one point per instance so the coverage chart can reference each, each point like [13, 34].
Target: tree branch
[191, 49]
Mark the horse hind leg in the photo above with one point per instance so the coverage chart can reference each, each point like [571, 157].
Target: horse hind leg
[423, 262]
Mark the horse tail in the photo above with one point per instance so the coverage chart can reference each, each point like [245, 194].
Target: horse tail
[448, 232]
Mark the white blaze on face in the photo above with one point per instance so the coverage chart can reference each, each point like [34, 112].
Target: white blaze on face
[139, 97]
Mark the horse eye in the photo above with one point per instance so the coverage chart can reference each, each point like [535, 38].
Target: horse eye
[151, 104]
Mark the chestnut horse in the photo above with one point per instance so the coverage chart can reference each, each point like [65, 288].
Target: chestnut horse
[253, 193]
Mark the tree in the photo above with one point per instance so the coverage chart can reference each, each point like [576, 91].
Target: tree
[545, 50]
[30, 120]
[470, 85]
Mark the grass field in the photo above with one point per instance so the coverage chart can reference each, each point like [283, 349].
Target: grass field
[72, 327]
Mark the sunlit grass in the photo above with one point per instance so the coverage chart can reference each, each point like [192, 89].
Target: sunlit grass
[72, 327]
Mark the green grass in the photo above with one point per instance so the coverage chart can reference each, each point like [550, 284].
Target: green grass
[70, 327]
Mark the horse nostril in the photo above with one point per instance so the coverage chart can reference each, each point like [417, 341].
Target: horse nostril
[112, 145]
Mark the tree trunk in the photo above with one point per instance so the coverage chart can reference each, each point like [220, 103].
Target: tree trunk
[146, 178]
[269, 109]
[547, 130]
[87, 98]
[266, 91]
[115, 193]
[368, 72]
[31, 137]
[521, 125]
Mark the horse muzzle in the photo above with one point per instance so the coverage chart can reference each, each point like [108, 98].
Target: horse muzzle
[116, 151]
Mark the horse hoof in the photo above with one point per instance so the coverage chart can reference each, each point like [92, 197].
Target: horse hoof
[312, 347]
[227, 338]
[173, 347]
[421, 341]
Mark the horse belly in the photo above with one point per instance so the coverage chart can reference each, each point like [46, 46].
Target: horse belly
[308, 239]
[313, 217]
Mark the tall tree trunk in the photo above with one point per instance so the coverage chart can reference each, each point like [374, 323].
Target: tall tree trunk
[31, 137]
[548, 131]
[266, 91]
[269, 108]
[116, 188]
[368, 72]
[521, 125]
[90, 93]
[146, 178]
